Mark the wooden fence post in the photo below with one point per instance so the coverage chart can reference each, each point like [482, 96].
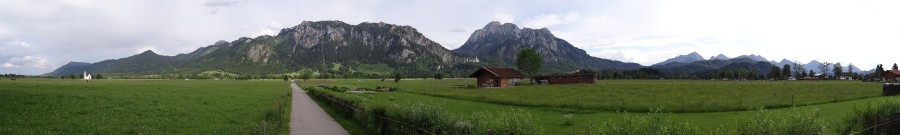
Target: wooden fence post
[490, 132]
[263, 127]
[877, 121]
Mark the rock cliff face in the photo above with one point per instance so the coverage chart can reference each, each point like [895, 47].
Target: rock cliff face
[401, 44]
[499, 43]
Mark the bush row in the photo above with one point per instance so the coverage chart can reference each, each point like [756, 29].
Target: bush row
[862, 119]
[277, 118]
[344, 89]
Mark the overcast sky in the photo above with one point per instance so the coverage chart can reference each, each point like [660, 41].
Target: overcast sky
[37, 36]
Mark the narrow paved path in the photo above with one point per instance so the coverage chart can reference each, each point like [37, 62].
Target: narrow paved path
[307, 118]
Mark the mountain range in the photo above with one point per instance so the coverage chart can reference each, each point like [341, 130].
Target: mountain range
[689, 58]
[694, 62]
[324, 45]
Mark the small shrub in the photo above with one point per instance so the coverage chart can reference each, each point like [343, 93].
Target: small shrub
[522, 83]
[802, 122]
[394, 89]
[567, 119]
[513, 122]
[650, 124]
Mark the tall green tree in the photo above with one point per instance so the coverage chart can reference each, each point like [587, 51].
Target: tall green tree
[397, 77]
[529, 61]
[838, 70]
[825, 68]
[803, 74]
[438, 76]
[895, 66]
[798, 68]
[305, 74]
[850, 70]
[812, 73]
[775, 73]
[879, 69]
[786, 71]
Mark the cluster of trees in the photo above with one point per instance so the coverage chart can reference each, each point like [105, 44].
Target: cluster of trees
[12, 75]
[641, 73]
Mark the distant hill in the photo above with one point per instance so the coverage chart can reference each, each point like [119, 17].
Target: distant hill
[782, 63]
[709, 66]
[753, 57]
[69, 68]
[498, 44]
[688, 58]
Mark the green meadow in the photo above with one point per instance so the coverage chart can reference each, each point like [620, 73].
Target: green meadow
[52, 106]
[824, 104]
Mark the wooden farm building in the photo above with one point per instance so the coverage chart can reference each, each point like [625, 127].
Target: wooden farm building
[891, 76]
[566, 79]
[497, 77]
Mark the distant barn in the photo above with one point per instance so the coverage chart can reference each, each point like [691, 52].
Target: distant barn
[566, 79]
[497, 77]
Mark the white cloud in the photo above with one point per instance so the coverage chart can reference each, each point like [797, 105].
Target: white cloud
[32, 61]
[223, 3]
[504, 17]
[215, 5]
[8, 65]
[548, 20]
[272, 29]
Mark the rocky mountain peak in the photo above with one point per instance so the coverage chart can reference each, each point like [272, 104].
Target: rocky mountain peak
[719, 57]
[148, 52]
[221, 42]
[499, 43]
[687, 58]
[496, 26]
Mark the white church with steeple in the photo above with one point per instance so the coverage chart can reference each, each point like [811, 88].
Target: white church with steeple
[87, 76]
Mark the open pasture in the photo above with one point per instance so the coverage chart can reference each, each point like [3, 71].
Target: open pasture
[643, 95]
[552, 119]
[52, 106]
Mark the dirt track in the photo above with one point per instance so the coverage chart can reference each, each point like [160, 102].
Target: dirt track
[307, 118]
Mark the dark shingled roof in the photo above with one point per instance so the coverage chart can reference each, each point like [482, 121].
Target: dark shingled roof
[500, 72]
[893, 72]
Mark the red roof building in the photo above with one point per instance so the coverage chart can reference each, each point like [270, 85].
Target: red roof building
[497, 77]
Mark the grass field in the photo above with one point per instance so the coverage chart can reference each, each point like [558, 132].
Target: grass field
[465, 102]
[50, 106]
[643, 95]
